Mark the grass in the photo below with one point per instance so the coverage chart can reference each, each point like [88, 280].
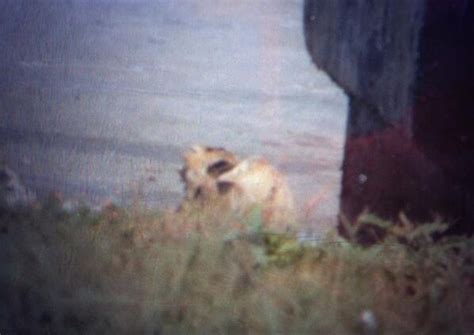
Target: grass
[133, 271]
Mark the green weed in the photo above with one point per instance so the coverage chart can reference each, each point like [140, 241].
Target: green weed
[134, 271]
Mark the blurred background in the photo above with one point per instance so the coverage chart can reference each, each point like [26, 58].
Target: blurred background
[98, 99]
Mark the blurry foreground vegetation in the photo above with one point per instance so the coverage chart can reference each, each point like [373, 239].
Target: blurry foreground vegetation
[138, 272]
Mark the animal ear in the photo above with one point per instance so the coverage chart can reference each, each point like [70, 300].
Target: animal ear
[197, 149]
[214, 149]
[223, 187]
[218, 168]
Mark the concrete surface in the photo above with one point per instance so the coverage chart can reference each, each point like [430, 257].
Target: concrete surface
[99, 98]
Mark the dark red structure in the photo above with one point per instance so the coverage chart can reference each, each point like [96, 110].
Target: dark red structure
[408, 69]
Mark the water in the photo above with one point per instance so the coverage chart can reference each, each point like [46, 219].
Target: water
[100, 98]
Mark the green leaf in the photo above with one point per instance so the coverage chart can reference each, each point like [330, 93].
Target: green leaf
[368, 218]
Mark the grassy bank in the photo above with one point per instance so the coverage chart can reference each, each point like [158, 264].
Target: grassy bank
[133, 271]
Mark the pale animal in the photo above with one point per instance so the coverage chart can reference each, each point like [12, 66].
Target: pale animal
[216, 176]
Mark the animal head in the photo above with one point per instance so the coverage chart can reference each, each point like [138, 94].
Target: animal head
[202, 167]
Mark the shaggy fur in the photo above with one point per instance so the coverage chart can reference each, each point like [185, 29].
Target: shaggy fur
[213, 176]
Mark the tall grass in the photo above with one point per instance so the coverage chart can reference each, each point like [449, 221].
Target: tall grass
[133, 271]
